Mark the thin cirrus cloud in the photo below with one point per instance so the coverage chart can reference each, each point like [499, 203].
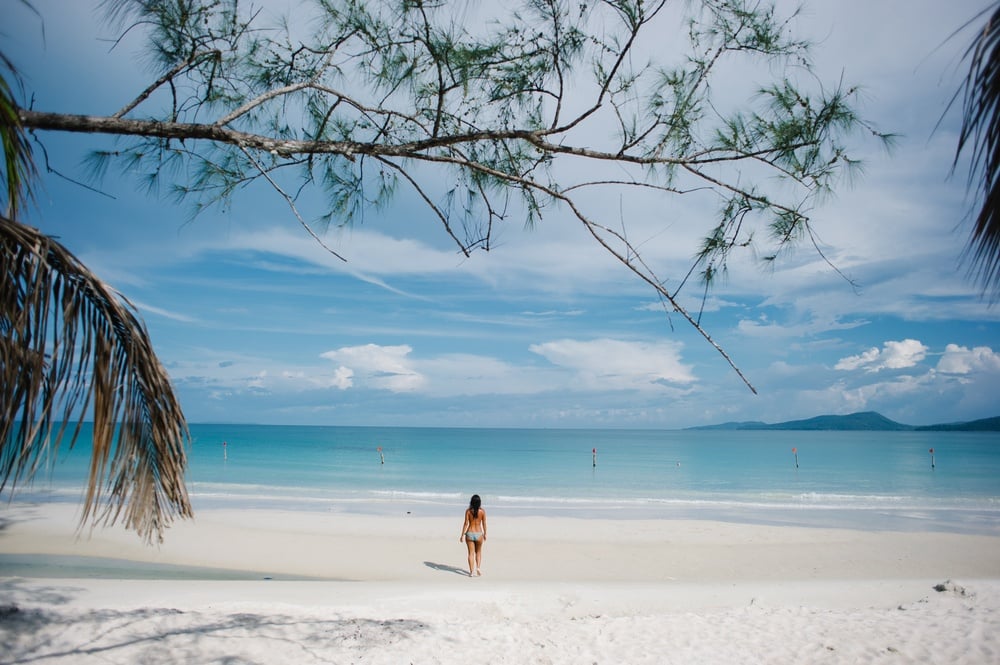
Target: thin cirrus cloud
[531, 259]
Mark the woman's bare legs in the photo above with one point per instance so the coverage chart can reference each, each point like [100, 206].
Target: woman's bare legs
[479, 556]
[473, 549]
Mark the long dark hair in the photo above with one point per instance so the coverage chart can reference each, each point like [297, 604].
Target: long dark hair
[474, 505]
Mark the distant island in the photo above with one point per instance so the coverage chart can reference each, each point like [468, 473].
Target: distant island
[867, 420]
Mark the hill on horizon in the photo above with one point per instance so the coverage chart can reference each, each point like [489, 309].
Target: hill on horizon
[861, 421]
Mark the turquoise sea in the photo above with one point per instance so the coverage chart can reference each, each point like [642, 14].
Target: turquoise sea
[869, 480]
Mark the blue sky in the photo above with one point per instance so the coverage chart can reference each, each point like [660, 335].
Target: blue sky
[256, 323]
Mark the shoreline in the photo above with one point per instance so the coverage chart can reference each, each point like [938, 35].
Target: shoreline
[970, 518]
[407, 547]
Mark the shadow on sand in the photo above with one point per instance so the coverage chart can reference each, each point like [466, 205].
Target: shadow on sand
[39, 627]
[446, 569]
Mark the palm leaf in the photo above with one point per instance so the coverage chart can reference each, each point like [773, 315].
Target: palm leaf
[981, 132]
[18, 168]
[70, 347]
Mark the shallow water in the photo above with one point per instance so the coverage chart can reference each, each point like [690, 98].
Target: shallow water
[871, 480]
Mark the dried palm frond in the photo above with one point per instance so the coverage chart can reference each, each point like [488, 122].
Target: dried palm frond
[18, 167]
[981, 131]
[71, 347]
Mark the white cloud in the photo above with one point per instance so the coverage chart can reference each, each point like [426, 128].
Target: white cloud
[862, 397]
[899, 355]
[469, 374]
[962, 360]
[380, 367]
[342, 378]
[854, 362]
[894, 355]
[616, 364]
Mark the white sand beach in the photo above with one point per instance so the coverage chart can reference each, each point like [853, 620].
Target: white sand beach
[255, 586]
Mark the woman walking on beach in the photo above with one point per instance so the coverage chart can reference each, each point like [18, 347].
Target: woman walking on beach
[474, 534]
